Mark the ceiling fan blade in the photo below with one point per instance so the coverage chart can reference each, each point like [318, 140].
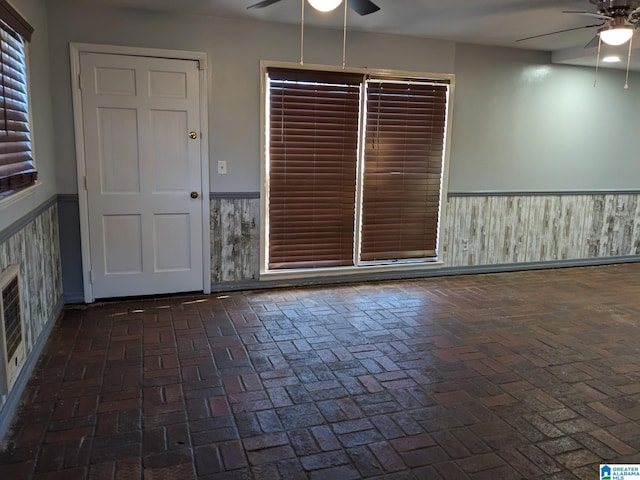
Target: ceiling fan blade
[363, 7]
[593, 42]
[262, 4]
[588, 14]
[559, 31]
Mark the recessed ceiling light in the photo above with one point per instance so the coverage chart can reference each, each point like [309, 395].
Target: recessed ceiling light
[611, 59]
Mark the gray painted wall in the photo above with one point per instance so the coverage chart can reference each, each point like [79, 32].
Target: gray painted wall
[70, 248]
[519, 122]
[234, 50]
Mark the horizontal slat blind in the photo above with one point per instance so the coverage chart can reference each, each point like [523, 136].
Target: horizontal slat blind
[313, 132]
[16, 160]
[404, 144]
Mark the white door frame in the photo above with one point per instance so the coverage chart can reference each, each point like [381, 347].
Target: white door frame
[75, 50]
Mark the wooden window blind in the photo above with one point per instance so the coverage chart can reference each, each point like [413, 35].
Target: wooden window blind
[16, 160]
[313, 147]
[403, 158]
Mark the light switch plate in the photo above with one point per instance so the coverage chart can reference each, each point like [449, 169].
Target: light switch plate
[222, 167]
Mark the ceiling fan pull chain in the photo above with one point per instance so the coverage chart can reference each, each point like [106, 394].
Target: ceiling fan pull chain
[344, 36]
[626, 82]
[595, 80]
[302, 36]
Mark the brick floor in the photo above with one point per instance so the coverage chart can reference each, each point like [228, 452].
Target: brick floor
[516, 375]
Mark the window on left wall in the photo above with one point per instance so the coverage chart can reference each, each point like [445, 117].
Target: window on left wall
[17, 167]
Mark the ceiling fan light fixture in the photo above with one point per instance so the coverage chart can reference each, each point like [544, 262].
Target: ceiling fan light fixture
[616, 35]
[325, 5]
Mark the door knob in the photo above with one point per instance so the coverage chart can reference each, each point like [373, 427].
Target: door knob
[194, 195]
[193, 135]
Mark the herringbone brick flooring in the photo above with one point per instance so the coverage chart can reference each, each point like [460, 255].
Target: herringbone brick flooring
[505, 376]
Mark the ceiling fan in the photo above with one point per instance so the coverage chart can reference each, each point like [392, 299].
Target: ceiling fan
[361, 7]
[619, 19]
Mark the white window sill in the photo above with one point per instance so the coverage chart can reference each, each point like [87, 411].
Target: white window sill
[345, 271]
[7, 199]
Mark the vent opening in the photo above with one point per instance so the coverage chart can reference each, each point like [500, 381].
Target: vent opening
[12, 327]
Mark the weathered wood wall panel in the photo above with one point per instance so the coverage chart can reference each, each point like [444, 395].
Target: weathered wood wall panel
[571, 226]
[633, 241]
[235, 239]
[494, 230]
[615, 227]
[36, 248]
[556, 228]
[467, 233]
[508, 222]
[475, 230]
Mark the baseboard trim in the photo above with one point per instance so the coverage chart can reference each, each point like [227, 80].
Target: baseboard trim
[408, 275]
[71, 298]
[547, 265]
[13, 399]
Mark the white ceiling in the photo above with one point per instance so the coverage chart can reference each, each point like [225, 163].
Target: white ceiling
[485, 22]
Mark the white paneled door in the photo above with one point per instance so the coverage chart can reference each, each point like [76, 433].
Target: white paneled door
[141, 124]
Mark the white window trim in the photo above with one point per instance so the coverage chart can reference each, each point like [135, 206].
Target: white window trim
[9, 198]
[286, 274]
[359, 267]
